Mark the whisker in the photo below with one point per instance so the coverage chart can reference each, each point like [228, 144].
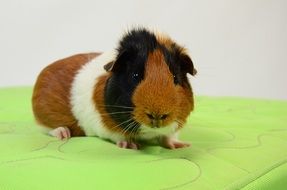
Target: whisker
[128, 127]
[134, 132]
[179, 122]
[129, 120]
[116, 106]
[115, 113]
[122, 123]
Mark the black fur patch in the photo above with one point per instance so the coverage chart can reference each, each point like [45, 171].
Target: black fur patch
[128, 71]
[177, 63]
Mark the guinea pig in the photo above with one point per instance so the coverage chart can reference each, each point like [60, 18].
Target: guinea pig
[137, 94]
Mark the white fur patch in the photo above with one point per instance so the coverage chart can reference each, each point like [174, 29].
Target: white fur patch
[147, 132]
[83, 106]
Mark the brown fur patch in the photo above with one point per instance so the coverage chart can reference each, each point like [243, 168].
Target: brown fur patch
[169, 44]
[51, 95]
[158, 94]
[165, 40]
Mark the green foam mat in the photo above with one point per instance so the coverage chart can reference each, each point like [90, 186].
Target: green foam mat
[236, 144]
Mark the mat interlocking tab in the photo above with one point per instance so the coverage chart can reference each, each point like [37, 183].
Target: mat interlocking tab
[236, 144]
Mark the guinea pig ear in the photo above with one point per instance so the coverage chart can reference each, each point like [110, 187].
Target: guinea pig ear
[187, 65]
[109, 66]
[119, 63]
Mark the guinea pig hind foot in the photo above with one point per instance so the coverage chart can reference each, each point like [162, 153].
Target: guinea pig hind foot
[61, 133]
[128, 145]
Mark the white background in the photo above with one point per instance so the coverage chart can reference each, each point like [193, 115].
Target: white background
[239, 47]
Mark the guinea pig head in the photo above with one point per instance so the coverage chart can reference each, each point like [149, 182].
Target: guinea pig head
[148, 85]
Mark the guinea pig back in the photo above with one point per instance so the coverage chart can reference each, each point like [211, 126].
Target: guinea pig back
[51, 95]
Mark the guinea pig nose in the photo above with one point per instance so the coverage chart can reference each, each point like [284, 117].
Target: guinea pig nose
[151, 116]
[163, 116]
[157, 116]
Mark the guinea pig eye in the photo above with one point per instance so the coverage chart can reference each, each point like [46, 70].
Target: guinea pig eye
[135, 75]
[175, 79]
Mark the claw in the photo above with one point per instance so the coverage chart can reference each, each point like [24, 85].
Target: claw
[173, 143]
[128, 145]
[61, 133]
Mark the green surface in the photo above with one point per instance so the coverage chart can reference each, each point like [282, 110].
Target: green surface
[236, 144]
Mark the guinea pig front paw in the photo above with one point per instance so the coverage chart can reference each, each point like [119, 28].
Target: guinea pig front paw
[128, 145]
[61, 133]
[172, 143]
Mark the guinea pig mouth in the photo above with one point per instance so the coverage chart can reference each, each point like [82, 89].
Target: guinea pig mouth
[156, 124]
[154, 118]
[147, 131]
